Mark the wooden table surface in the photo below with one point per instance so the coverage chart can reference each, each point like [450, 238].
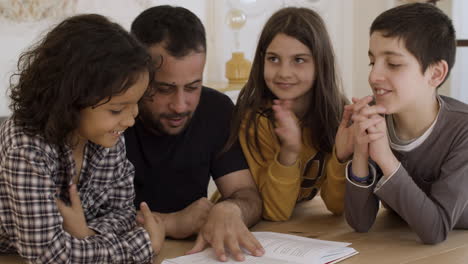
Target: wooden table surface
[389, 241]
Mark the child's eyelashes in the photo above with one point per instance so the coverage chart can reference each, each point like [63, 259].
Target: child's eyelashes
[164, 90]
[192, 88]
[115, 112]
[393, 65]
[299, 60]
[273, 59]
[390, 65]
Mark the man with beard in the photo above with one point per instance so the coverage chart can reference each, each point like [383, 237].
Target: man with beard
[177, 142]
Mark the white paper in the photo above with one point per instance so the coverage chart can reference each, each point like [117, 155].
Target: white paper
[280, 248]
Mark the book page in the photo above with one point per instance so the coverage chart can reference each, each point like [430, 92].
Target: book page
[299, 249]
[279, 249]
[208, 257]
[335, 257]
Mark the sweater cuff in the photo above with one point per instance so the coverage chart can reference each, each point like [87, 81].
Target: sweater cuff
[335, 168]
[292, 173]
[335, 159]
[385, 178]
[372, 176]
[353, 177]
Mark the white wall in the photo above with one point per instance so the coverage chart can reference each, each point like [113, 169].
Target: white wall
[459, 76]
[221, 41]
[18, 36]
[348, 22]
[14, 39]
[446, 6]
[363, 18]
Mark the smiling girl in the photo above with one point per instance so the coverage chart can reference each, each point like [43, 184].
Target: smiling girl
[288, 114]
[66, 187]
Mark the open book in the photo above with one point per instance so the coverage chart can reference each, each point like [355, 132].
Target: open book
[279, 249]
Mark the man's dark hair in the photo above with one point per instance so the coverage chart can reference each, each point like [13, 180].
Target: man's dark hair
[179, 30]
[426, 31]
[82, 61]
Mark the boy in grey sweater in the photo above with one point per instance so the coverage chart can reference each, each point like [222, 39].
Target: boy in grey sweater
[416, 140]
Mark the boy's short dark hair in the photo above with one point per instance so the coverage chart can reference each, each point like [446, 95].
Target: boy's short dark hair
[426, 31]
[82, 61]
[177, 28]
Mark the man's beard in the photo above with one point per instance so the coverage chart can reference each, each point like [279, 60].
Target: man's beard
[153, 123]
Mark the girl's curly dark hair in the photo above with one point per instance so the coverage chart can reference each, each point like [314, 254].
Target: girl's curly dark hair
[83, 60]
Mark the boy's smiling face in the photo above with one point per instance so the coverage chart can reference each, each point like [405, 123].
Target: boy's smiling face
[395, 76]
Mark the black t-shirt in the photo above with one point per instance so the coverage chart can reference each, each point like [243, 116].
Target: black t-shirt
[171, 172]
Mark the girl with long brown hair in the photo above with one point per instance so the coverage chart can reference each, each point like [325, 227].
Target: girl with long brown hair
[288, 117]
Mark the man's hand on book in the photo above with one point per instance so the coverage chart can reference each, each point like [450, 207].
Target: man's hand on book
[225, 231]
[188, 221]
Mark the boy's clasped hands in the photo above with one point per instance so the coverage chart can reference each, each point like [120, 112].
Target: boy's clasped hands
[370, 137]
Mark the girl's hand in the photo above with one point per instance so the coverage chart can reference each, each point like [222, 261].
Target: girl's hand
[74, 221]
[154, 225]
[344, 139]
[288, 132]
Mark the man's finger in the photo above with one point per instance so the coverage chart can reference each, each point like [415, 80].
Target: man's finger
[251, 244]
[200, 245]
[233, 246]
[218, 247]
[206, 204]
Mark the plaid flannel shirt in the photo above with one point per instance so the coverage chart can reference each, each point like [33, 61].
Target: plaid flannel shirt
[33, 174]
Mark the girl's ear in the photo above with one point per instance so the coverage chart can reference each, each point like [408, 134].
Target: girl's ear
[438, 71]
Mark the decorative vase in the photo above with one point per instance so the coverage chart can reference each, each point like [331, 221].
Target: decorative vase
[238, 68]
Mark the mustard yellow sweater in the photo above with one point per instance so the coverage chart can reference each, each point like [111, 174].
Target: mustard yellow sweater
[280, 186]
